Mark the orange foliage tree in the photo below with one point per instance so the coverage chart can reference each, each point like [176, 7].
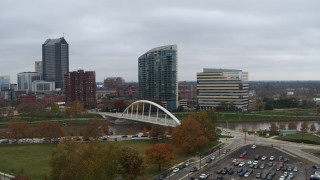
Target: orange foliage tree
[18, 129]
[159, 154]
[157, 131]
[189, 136]
[49, 129]
[96, 128]
[206, 121]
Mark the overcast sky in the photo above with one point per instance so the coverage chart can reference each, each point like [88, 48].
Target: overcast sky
[271, 39]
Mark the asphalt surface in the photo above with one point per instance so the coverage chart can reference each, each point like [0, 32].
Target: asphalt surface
[304, 169]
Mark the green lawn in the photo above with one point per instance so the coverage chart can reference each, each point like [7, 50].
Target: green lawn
[299, 138]
[33, 159]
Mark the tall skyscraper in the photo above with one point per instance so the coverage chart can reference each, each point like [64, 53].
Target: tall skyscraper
[222, 87]
[158, 75]
[55, 60]
[81, 86]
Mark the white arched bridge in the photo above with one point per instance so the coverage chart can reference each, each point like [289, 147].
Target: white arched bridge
[146, 111]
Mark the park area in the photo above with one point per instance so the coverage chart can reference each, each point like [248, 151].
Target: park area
[32, 159]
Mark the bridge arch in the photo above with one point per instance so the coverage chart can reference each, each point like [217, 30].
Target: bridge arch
[128, 112]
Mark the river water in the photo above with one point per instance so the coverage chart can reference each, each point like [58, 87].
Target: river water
[250, 126]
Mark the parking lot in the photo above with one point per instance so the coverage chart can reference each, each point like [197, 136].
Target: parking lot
[257, 163]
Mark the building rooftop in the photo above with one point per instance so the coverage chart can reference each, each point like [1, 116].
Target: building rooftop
[220, 70]
[168, 47]
[55, 41]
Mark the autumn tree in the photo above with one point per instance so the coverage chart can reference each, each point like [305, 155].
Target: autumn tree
[282, 126]
[189, 136]
[206, 121]
[96, 128]
[131, 163]
[55, 109]
[17, 129]
[292, 125]
[144, 131]
[73, 161]
[49, 129]
[159, 154]
[312, 128]
[273, 128]
[304, 127]
[76, 108]
[157, 131]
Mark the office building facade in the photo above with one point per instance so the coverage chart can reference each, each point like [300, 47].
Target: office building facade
[38, 66]
[25, 80]
[222, 88]
[4, 83]
[55, 60]
[158, 74]
[81, 86]
[40, 86]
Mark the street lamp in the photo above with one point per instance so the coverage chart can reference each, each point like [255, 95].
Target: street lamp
[200, 159]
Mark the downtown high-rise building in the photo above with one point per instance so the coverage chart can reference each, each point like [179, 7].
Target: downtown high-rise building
[55, 60]
[81, 86]
[4, 83]
[158, 74]
[217, 88]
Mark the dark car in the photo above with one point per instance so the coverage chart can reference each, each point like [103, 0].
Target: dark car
[257, 157]
[264, 175]
[289, 168]
[224, 171]
[284, 168]
[242, 173]
[279, 168]
[316, 166]
[219, 178]
[219, 171]
[230, 172]
[251, 165]
[280, 158]
[162, 176]
[240, 170]
[269, 177]
[193, 169]
[270, 164]
[182, 166]
[256, 166]
[208, 160]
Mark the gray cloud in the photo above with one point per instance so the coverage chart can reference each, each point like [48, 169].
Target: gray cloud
[270, 39]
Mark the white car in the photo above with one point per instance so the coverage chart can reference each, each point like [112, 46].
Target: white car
[203, 176]
[234, 160]
[271, 158]
[241, 164]
[249, 162]
[282, 178]
[263, 158]
[253, 146]
[175, 170]
[213, 157]
[255, 162]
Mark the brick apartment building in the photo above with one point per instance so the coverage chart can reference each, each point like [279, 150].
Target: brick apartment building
[81, 86]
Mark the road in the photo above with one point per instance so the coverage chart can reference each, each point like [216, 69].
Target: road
[238, 141]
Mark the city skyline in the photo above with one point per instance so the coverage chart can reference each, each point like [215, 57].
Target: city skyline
[271, 40]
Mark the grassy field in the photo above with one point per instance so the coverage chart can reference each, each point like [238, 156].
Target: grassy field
[32, 159]
[272, 115]
[299, 138]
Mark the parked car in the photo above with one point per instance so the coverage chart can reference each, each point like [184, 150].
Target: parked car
[175, 170]
[193, 169]
[263, 158]
[271, 158]
[213, 157]
[162, 176]
[253, 146]
[204, 176]
[262, 166]
[258, 175]
[270, 164]
[208, 160]
[295, 169]
[257, 157]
